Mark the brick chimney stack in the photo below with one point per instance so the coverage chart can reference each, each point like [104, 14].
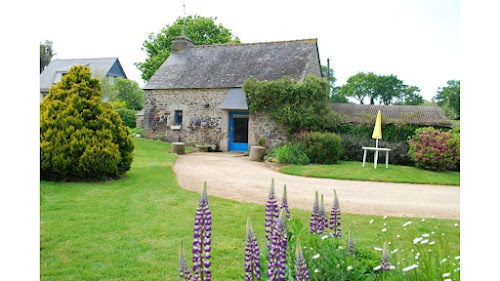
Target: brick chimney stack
[180, 44]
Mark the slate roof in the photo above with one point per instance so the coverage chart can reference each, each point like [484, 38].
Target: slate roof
[229, 65]
[49, 74]
[235, 100]
[425, 115]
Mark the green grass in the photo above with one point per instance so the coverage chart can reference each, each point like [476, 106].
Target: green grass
[351, 170]
[131, 229]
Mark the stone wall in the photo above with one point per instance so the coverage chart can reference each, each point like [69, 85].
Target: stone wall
[202, 121]
[261, 126]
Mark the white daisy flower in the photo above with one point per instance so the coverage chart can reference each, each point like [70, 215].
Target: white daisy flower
[394, 251]
[324, 237]
[392, 267]
[377, 249]
[384, 229]
[423, 220]
[385, 224]
[340, 248]
[406, 223]
[408, 268]
[432, 243]
[371, 221]
[442, 234]
[447, 279]
[377, 267]
[456, 225]
[447, 274]
[424, 241]
[397, 236]
[418, 239]
[315, 256]
[316, 270]
[425, 235]
[433, 233]
[457, 257]
[349, 268]
[456, 269]
[443, 260]
[384, 217]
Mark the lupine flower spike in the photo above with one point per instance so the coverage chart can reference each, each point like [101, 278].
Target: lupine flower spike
[277, 252]
[323, 220]
[335, 216]
[284, 203]
[315, 216]
[301, 272]
[202, 234]
[350, 246]
[271, 214]
[252, 255]
[184, 271]
[384, 263]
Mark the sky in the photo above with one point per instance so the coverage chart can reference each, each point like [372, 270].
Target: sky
[416, 40]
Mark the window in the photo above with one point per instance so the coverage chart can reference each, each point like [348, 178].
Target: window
[178, 117]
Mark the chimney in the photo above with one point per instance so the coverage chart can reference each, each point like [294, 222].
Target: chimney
[180, 44]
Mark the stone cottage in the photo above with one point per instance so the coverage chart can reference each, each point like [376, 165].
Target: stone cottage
[196, 95]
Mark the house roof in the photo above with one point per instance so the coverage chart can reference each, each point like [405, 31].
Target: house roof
[425, 115]
[58, 66]
[229, 65]
[235, 100]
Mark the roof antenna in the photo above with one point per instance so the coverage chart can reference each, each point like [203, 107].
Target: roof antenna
[184, 11]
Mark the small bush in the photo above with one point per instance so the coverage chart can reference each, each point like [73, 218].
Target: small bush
[435, 150]
[127, 116]
[292, 153]
[80, 137]
[321, 148]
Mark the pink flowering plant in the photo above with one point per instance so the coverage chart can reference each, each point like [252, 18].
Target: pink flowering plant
[435, 150]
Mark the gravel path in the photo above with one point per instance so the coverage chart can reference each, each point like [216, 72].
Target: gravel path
[233, 176]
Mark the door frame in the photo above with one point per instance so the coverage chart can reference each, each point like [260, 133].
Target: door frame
[236, 146]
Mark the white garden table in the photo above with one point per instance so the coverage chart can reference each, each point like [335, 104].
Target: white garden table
[376, 149]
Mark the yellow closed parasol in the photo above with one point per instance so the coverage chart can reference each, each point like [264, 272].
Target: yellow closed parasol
[377, 131]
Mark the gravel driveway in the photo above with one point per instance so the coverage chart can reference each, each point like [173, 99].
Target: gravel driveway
[234, 176]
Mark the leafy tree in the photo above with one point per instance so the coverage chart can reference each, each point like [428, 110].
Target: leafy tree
[388, 87]
[360, 86]
[130, 92]
[81, 138]
[335, 94]
[202, 30]
[448, 97]
[46, 54]
[411, 96]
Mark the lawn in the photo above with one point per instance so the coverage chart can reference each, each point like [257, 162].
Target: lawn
[352, 170]
[131, 228]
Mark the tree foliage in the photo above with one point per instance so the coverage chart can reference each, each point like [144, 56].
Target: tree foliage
[202, 30]
[292, 104]
[81, 138]
[448, 97]
[130, 92]
[334, 91]
[384, 88]
[46, 54]
[411, 96]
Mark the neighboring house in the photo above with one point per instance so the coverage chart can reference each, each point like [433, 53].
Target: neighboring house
[199, 87]
[421, 115]
[57, 68]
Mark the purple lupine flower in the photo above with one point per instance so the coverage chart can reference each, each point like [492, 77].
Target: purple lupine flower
[315, 216]
[284, 203]
[277, 252]
[335, 216]
[301, 271]
[384, 263]
[323, 219]
[350, 246]
[271, 214]
[184, 271]
[252, 255]
[201, 243]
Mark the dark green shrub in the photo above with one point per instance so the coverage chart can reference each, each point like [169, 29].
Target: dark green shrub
[321, 148]
[127, 116]
[292, 153]
[351, 147]
[435, 150]
[80, 137]
[390, 132]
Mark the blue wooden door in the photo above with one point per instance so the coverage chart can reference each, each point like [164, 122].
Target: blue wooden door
[238, 131]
